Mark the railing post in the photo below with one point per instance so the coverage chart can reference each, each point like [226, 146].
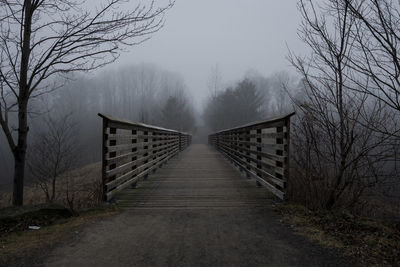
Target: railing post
[146, 148]
[180, 142]
[111, 154]
[258, 139]
[248, 147]
[103, 159]
[280, 152]
[153, 148]
[287, 150]
[161, 143]
[240, 149]
[236, 146]
[134, 149]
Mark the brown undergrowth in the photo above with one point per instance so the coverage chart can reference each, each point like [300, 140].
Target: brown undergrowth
[22, 247]
[77, 193]
[84, 187]
[368, 242]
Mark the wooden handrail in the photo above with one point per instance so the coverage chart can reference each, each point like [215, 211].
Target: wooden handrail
[132, 150]
[260, 149]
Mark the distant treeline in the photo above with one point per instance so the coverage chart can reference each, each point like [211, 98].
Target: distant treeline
[253, 98]
[141, 93]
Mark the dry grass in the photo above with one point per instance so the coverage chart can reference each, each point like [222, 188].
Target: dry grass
[84, 182]
[379, 207]
[367, 241]
[22, 247]
[19, 248]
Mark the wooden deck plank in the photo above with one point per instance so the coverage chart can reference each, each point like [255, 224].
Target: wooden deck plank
[198, 177]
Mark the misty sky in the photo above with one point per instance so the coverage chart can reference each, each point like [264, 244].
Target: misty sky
[238, 35]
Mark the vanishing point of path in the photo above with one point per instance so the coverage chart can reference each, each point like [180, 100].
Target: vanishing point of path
[195, 211]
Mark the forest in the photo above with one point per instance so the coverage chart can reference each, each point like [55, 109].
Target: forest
[141, 110]
[345, 92]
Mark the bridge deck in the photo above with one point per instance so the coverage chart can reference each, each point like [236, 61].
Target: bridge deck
[195, 211]
[197, 178]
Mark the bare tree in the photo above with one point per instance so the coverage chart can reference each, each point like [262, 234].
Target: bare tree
[334, 148]
[53, 153]
[79, 190]
[215, 79]
[377, 39]
[42, 38]
[283, 85]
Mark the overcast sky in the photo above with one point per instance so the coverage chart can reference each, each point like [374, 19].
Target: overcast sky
[238, 35]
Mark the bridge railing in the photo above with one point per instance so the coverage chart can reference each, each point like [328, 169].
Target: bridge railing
[132, 150]
[260, 149]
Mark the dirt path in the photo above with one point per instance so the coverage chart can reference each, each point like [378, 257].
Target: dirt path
[195, 211]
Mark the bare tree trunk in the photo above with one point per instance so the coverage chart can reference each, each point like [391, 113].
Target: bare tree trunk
[20, 150]
[19, 163]
[20, 153]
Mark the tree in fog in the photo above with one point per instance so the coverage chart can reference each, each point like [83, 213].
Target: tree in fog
[264, 86]
[39, 39]
[377, 39]
[177, 115]
[234, 106]
[134, 92]
[128, 92]
[283, 87]
[53, 153]
[337, 156]
[276, 90]
[215, 79]
[248, 102]
[377, 62]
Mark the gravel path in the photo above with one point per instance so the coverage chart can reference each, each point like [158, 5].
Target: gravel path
[195, 211]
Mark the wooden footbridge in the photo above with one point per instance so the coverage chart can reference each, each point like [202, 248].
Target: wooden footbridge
[133, 151]
[186, 205]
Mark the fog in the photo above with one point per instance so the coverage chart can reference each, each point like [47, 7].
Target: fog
[201, 35]
[217, 64]
[237, 35]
